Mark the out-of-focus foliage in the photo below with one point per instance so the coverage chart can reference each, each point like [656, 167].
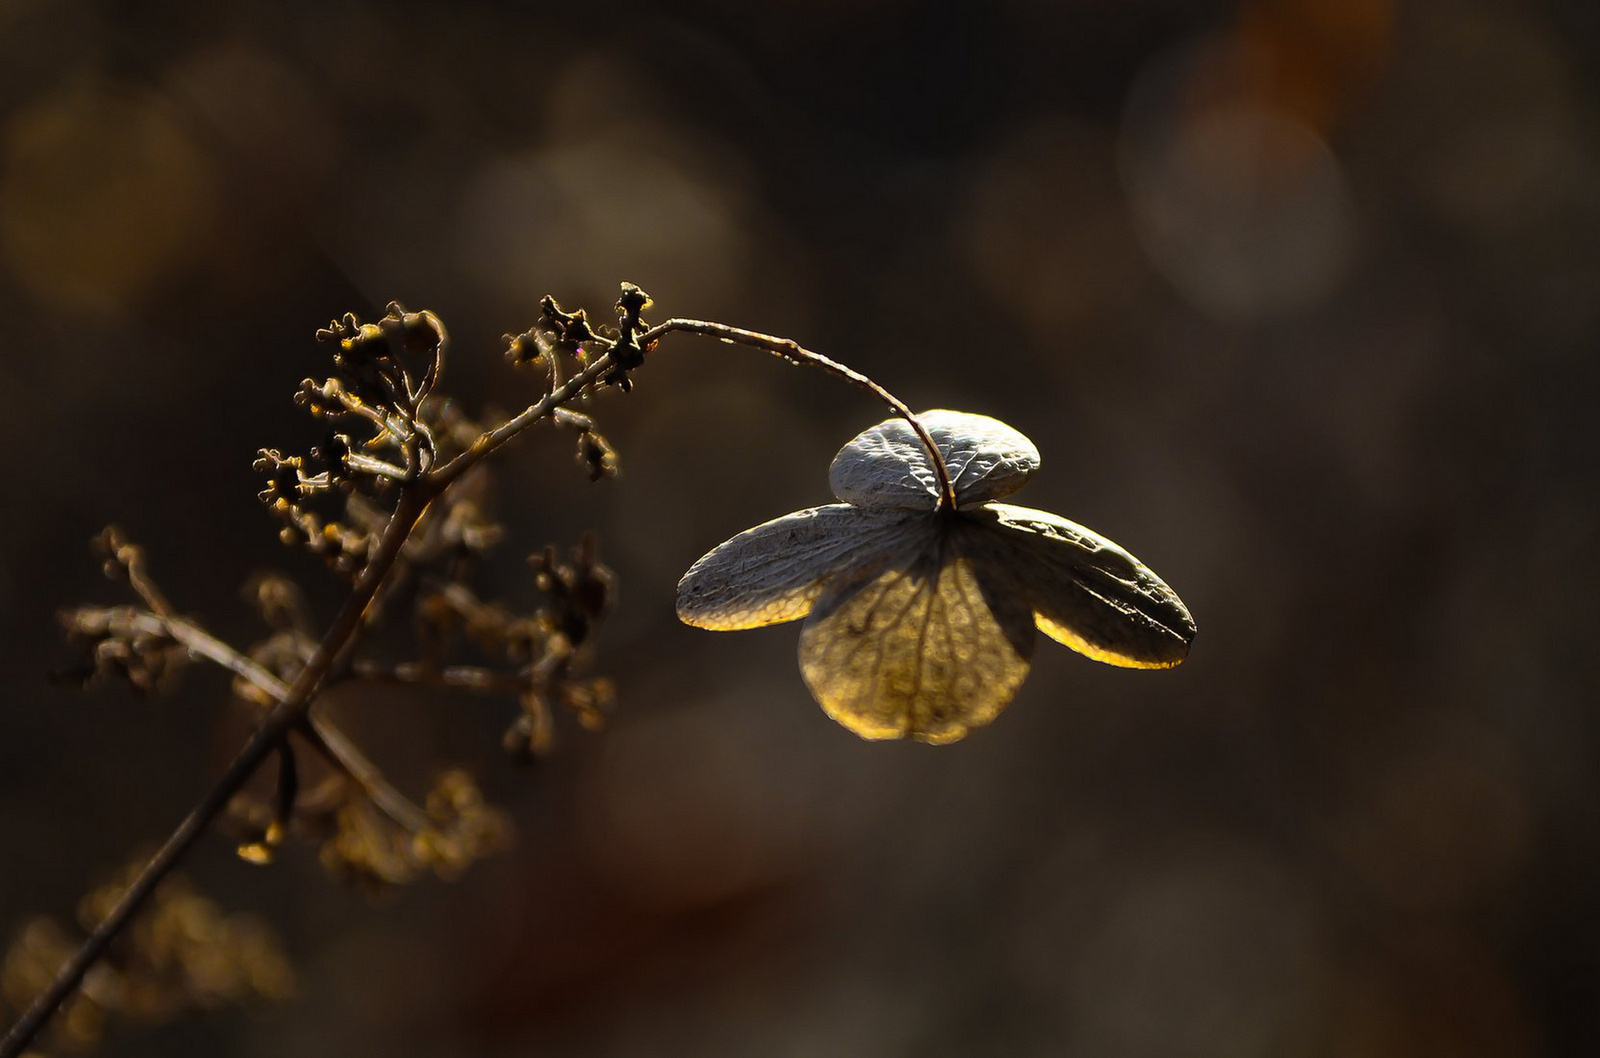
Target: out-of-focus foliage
[1297, 296]
[182, 955]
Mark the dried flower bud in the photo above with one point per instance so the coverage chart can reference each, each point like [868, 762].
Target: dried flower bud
[596, 455]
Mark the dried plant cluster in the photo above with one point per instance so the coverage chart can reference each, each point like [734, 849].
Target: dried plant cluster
[394, 500]
[921, 598]
[385, 427]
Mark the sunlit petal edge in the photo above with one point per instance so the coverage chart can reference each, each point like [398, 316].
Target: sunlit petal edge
[1090, 594]
[775, 571]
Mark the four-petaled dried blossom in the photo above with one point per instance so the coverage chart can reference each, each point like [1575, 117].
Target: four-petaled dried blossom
[920, 620]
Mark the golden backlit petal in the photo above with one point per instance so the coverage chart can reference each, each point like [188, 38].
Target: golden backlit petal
[887, 466]
[774, 572]
[925, 648]
[1087, 592]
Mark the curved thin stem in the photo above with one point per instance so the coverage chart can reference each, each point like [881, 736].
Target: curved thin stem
[201, 643]
[793, 351]
[343, 754]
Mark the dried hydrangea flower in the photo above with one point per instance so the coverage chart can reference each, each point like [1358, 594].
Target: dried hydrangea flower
[920, 620]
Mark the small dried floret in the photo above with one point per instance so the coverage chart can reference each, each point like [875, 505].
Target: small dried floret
[362, 844]
[529, 347]
[466, 529]
[571, 328]
[283, 476]
[464, 826]
[589, 700]
[632, 301]
[581, 590]
[279, 601]
[596, 455]
[117, 649]
[532, 733]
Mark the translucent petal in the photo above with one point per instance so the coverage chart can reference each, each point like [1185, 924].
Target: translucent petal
[886, 466]
[774, 572]
[1087, 592]
[925, 648]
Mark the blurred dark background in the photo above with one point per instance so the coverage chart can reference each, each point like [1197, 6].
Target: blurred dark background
[1299, 299]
